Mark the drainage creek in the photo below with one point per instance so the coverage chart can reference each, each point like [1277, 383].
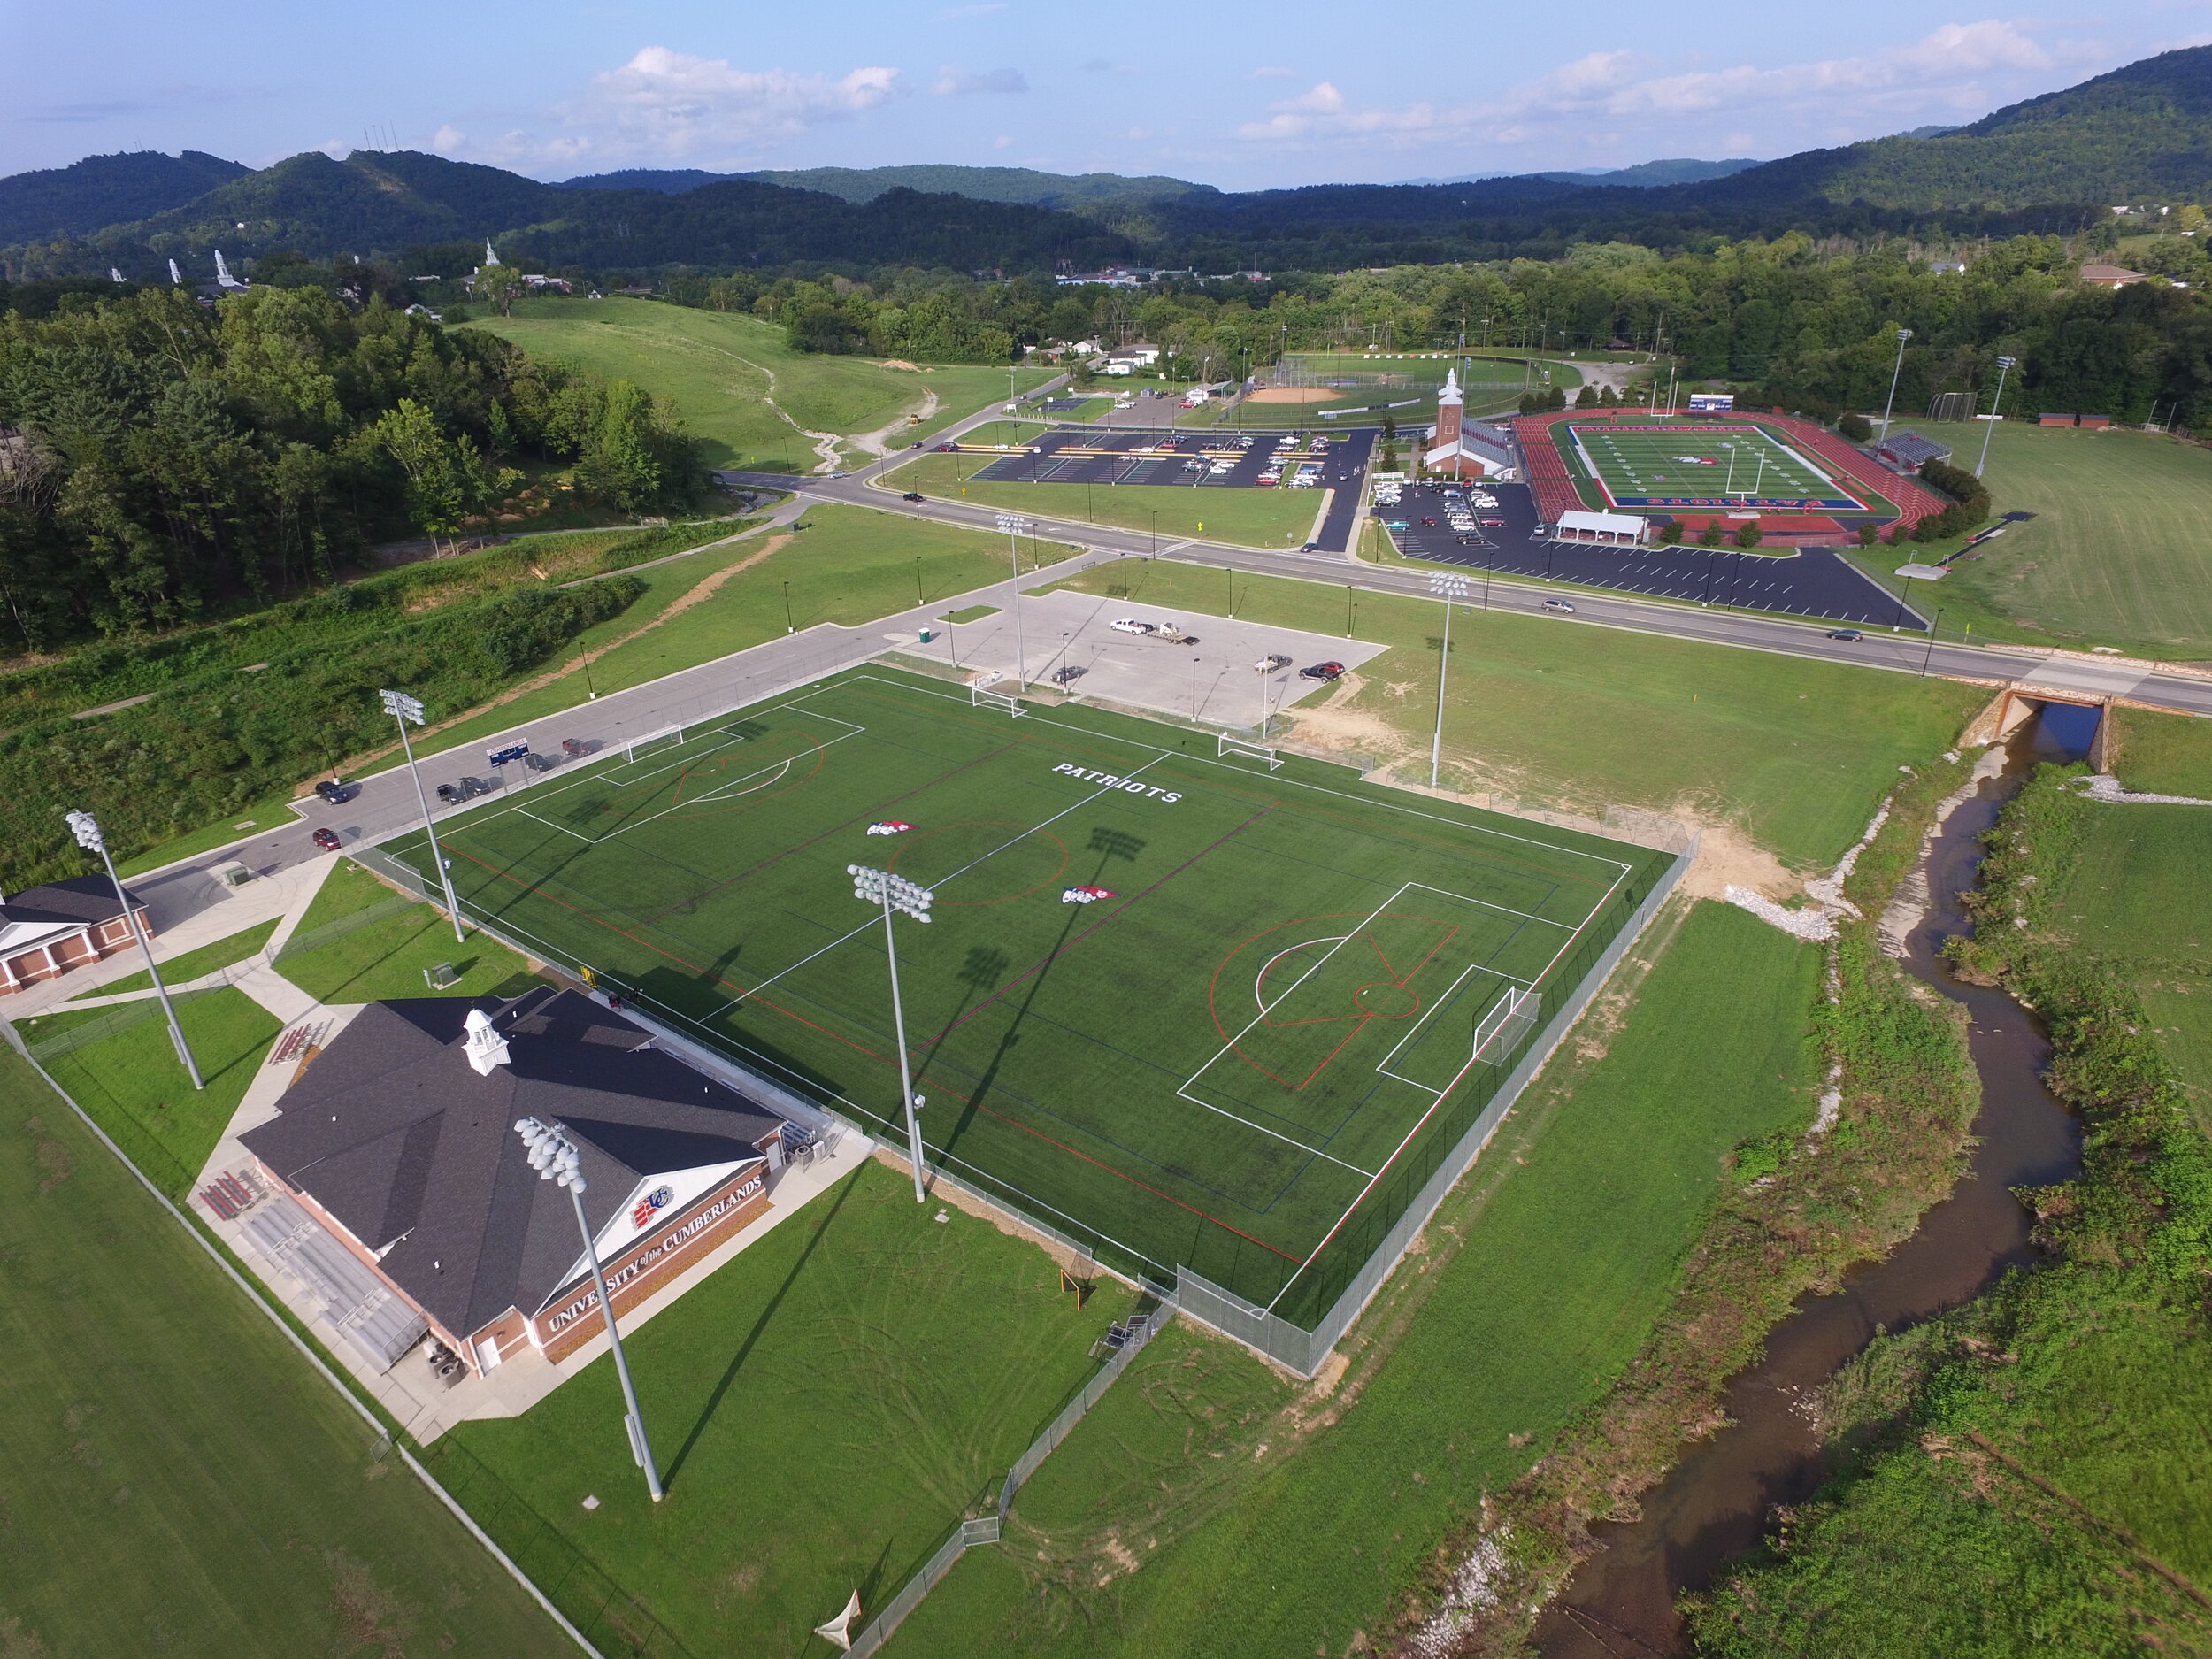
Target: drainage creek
[1716, 1504]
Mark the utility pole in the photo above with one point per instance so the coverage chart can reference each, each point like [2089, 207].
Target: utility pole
[554, 1157]
[86, 828]
[897, 892]
[1903, 335]
[1447, 589]
[402, 708]
[2004, 367]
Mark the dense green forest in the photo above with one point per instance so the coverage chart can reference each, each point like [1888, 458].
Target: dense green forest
[161, 458]
[1794, 322]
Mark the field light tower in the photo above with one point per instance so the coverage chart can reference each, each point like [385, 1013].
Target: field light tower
[1447, 589]
[1903, 335]
[402, 708]
[553, 1156]
[86, 828]
[1013, 524]
[897, 892]
[2004, 366]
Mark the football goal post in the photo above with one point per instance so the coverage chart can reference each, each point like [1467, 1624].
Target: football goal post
[1228, 745]
[983, 697]
[651, 742]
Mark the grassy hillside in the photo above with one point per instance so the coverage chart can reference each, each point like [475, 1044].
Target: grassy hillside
[176, 1479]
[739, 386]
[1207, 1506]
[2119, 551]
[1795, 754]
[1249, 517]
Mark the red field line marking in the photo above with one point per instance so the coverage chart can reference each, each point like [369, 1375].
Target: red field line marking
[1212, 987]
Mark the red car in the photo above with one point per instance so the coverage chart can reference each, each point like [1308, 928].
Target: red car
[1492, 524]
[1323, 670]
[327, 840]
[1430, 522]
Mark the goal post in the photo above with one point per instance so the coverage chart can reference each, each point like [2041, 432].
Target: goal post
[666, 737]
[1506, 1026]
[984, 698]
[1227, 745]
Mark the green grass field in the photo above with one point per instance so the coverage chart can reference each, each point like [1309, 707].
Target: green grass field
[387, 957]
[1408, 384]
[2163, 754]
[2119, 551]
[825, 1408]
[132, 1083]
[721, 369]
[181, 970]
[1796, 754]
[176, 1479]
[1196, 1010]
[1248, 518]
[1195, 1511]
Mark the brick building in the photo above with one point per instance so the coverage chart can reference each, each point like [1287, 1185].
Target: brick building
[51, 929]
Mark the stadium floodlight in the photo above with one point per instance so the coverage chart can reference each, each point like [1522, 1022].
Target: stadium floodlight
[404, 709]
[554, 1157]
[1903, 335]
[896, 893]
[87, 829]
[1447, 589]
[1013, 525]
[2004, 367]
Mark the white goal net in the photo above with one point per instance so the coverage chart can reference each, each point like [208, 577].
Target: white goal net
[983, 697]
[1228, 745]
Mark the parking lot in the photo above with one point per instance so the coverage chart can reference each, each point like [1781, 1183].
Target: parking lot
[1203, 460]
[1211, 678]
[1799, 581]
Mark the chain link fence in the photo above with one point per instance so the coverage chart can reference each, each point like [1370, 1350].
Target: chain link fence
[353, 921]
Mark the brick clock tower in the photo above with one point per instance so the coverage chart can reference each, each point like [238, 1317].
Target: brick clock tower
[1449, 402]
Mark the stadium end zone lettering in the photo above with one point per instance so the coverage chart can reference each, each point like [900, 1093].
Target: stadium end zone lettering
[1112, 782]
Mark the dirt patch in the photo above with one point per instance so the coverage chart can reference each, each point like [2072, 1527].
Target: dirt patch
[1291, 395]
[1725, 855]
[897, 363]
[1338, 727]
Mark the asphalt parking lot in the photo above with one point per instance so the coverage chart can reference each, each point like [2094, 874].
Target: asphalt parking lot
[1800, 581]
[1201, 460]
[1212, 678]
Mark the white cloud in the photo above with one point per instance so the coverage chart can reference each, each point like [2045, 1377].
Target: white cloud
[448, 140]
[953, 83]
[1003, 141]
[664, 103]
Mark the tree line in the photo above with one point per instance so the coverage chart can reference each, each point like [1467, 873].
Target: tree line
[161, 460]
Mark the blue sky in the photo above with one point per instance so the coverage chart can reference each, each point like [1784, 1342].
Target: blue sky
[1238, 95]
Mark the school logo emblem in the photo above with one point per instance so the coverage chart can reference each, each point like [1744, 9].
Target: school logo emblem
[890, 827]
[1084, 895]
[651, 1204]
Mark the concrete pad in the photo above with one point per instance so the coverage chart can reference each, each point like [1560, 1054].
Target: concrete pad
[1072, 630]
[2096, 678]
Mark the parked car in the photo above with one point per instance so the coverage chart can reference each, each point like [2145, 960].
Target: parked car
[450, 793]
[1323, 670]
[1066, 676]
[1270, 662]
[336, 792]
[1130, 625]
[576, 747]
[911, 495]
[327, 840]
[1494, 523]
[535, 762]
[1558, 604]
[1849, 635]
[1430, 522]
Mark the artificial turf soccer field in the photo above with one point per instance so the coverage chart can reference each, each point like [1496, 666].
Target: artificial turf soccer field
[1733, 465]
[1258, 1046]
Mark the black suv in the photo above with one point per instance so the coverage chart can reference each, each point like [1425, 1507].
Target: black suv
[335, 791]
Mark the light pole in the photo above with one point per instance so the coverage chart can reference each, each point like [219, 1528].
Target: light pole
[1013, 524]
[789, 626]
[402, 708]
[1903, 335]
[897, 892]
[2004, 365]
[86, 828]
[1729, 488]
[1447, 589]
[554, 1157]
[1929, 657]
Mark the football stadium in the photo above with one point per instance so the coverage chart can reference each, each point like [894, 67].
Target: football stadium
[1201, 1009]
[1736, 465]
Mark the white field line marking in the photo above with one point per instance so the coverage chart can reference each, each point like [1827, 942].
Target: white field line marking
[1295, 783]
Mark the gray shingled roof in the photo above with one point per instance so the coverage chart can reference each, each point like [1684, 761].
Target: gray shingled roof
[79, 900]
[394, 1133]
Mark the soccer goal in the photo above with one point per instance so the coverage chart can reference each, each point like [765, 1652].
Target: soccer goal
[1228, 745]
[653, 743]
[983, 697]
[1506, 1026]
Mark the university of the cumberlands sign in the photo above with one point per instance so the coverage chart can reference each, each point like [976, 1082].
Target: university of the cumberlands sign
[1134, 785]
[640, 1260]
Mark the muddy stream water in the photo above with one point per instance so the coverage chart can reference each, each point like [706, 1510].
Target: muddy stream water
[1717, 1502]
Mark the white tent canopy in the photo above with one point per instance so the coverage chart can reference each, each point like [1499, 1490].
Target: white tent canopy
[1620, 529]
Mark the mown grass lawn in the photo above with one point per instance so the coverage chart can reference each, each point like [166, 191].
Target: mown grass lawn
[1796, 753]
[1192, 1513]
[824, 1408]
[1248, 518]
[2119, 551]
[389, 957]
[177, 1481]
[2163, 754]
[134, 1087]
